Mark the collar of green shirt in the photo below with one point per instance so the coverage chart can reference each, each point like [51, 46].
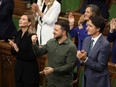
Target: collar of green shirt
[64, 42]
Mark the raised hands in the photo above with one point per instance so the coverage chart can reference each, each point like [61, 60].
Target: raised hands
[112, 25]
[71, 20]
[82, 55]
[35, 8]
[14, 45]
[34, 39]
[81, 20]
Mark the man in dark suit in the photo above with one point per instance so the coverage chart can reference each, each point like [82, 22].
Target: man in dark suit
[95, 56]
[7, 28]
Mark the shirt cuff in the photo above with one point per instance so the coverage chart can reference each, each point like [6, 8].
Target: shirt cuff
[86, 59]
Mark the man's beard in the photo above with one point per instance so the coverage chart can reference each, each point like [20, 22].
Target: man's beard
[58, 37]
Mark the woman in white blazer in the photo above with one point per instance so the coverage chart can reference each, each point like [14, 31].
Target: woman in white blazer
[46, 12]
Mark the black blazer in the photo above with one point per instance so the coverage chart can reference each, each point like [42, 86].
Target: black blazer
[7, 28]
[26, 66]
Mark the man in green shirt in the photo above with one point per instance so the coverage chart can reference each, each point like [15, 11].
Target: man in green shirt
[61, 56]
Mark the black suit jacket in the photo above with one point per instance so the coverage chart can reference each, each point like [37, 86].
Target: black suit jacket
[7, 28]
[26, 67]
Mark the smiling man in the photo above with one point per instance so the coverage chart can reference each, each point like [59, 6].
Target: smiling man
[95, 56]
[61, 56]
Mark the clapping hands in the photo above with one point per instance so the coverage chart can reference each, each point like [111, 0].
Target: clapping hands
[47, 70]
[82, 55]
[14, 45]
[112, 25]
[34, 39]
[35, 8]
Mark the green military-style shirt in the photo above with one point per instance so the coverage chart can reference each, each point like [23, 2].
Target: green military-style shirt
[61, 57]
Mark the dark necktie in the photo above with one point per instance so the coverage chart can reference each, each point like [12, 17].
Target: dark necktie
[91, 44]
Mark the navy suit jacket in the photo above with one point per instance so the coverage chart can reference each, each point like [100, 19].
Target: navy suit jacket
[7, 28]
[95, 68]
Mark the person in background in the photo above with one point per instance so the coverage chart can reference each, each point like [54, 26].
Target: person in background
[102, 4]
[46, 12]
[61, 56]
[95, 54]
[7, 27]
[26, 71]
[112, 38]
[80, 31]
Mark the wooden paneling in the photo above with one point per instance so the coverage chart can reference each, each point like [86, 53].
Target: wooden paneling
[112, 69]
[6, 66]
[21, 7]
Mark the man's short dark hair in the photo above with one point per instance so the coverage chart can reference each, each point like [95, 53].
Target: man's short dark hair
[99, 22]
[64, 24]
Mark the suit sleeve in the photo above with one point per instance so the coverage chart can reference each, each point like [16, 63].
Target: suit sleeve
[39, 51]
[7, 9]
[102, 59]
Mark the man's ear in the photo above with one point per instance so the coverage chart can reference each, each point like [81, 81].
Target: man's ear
[64, 32]
[98, 29]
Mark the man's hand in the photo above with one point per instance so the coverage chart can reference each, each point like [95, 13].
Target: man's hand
[34, 39]
[112, 25]
[82, 55]
[48, 70]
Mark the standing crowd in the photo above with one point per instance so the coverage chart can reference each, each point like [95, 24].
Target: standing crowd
[51, 37]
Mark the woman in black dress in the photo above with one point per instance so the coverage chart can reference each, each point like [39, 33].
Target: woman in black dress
[26, 67]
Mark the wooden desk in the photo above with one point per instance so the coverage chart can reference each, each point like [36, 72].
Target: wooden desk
[112, 70]
[6, 66]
